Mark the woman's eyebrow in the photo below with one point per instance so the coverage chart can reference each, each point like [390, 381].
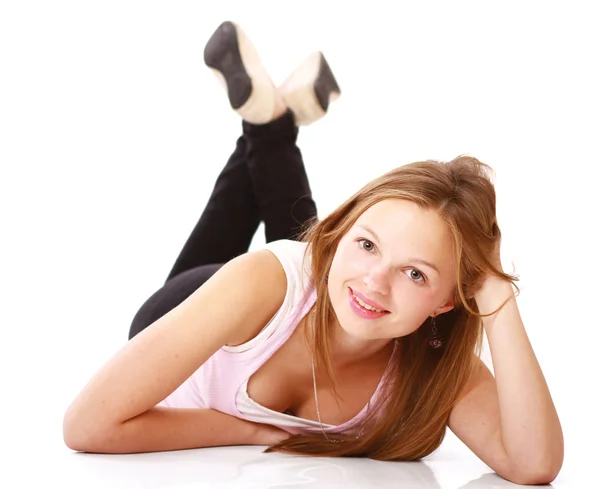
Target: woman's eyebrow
[424, 262]
[414, 260]
[369, 230]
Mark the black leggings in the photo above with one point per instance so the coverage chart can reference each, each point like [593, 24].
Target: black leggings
[263, 180]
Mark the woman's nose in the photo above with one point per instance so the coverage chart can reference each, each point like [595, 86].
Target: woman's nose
[378, 280]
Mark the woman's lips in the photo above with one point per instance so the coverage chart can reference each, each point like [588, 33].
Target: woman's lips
[372, 303]
[360, 311]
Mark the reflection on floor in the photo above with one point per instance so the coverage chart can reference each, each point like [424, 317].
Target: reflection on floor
[452, 466]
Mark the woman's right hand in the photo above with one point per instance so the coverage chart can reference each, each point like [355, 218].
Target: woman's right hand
[269, 435]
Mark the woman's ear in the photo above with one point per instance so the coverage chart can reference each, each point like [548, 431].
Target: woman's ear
[447, 306]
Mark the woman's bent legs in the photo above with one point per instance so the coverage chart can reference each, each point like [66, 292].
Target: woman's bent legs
[263, 180]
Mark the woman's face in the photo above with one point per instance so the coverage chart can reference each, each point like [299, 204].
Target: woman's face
[399, 258]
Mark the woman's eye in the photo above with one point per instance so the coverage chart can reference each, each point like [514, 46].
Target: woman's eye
[366, 245]
[416, 275]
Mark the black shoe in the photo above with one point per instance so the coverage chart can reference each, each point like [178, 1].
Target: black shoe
[233, 58]
[310, 89]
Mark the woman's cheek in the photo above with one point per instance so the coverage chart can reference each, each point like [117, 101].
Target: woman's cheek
[344, 260]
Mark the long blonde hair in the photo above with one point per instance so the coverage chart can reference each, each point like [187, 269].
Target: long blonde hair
[409, 420]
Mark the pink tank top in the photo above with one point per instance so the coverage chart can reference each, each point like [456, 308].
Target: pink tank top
[221, 382]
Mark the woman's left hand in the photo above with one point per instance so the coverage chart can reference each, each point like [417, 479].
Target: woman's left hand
[491, 284]
[490, 280]
[495, 258]
[495, 234]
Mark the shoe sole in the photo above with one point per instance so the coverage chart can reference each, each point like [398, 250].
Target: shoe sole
[326, 86]
[234, 60]
[311, 88]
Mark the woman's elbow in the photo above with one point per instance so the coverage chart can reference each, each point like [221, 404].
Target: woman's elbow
[76, 438]
[529, 476]
[84, 437]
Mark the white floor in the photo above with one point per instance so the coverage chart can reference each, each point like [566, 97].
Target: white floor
[112, 132]
[451, 467]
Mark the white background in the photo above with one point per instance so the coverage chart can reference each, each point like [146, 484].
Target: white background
[112, 132]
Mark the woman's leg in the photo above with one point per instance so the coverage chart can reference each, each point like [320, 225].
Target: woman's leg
[270, 185]
[229, 220]
[264, 179]
[280, 185]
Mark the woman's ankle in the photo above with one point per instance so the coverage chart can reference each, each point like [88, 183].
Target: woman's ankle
[281, 127]
[280, 107]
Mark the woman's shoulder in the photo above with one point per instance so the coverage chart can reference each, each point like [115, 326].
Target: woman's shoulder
[294, 257]
[281, 264]
[286, 246]
[264, 266]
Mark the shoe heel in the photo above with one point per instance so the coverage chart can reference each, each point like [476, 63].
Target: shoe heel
[326, 86]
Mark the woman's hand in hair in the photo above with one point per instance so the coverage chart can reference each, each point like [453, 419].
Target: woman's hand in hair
[494, 291]
[494, 260]
[492, 287]
[495, 256]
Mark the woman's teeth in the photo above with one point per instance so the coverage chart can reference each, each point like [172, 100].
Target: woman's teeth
[366, 306]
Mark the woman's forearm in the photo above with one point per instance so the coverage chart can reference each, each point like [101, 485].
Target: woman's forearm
[531, 429]
[164, 429]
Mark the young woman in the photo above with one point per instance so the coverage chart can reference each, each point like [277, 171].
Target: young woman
[356, 335]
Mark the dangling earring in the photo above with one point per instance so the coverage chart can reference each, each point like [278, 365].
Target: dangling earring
[435, 340]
